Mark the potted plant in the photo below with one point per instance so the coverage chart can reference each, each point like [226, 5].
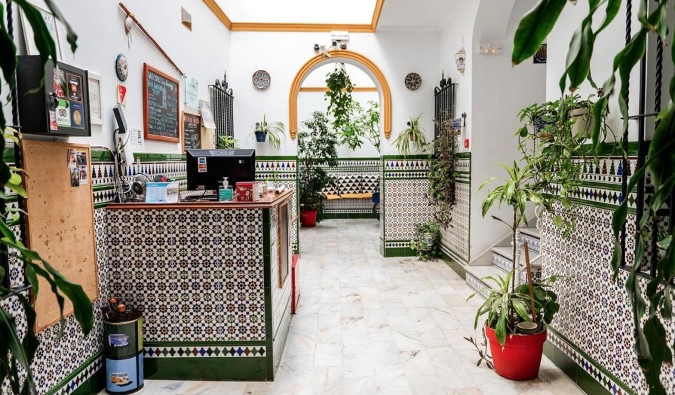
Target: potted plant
[274, 130]
[362, 124]
[339, 96]
[317, 149]
[427, 241]
[442, 173]
[515, 327]
[227, 142]
[412, 136]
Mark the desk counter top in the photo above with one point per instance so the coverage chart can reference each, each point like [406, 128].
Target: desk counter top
[268, 200]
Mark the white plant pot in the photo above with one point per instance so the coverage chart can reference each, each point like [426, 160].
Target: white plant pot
[428, 239]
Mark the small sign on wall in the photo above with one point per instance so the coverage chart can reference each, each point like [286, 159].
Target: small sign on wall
[191, 92]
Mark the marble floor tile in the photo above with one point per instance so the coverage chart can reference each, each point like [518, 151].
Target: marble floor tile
[368, 325]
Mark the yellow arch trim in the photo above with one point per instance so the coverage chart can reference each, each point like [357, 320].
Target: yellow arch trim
[339, 54]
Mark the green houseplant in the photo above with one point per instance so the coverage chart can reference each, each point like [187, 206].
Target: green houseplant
[16, 353]
[362, 124]
[339, 96]
[427, 241]
[442, 172]
[649, 314]
[274, 130]
[411, 137]
[227, 142]
[317, 148]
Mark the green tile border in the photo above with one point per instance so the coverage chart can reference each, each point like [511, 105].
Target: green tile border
[101, 155]
[204, 343]
[216, 369]
[404, 157]
[399, 252]
[575, 372]
[158, 157]
[269, 330]
[349, 216]
[457, 267]
[66, 382]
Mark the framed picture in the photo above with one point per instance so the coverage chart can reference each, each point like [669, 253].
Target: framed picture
[161, 105]
[29, 36]
[192, 128]
[95, 103]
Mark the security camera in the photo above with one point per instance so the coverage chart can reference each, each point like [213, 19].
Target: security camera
[316, 48]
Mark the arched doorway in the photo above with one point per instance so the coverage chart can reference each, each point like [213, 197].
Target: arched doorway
[352, 58]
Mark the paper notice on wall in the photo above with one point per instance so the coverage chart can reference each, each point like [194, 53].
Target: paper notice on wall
[84, 175]
[191, 92]
[136, 137]
[207, 116]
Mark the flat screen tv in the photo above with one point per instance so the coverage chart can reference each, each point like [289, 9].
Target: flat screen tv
[206, 167]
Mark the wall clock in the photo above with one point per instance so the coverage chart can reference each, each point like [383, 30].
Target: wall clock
[121, 67]
[261, 79]
[413, 81]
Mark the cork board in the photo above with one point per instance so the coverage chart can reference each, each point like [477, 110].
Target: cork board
[60, 220]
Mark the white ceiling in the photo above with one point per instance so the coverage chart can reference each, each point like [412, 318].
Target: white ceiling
[417, 13]
[299, 11]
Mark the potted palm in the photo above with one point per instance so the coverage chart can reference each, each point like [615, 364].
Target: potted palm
[317, 149]
[411, 137]
[274, 130]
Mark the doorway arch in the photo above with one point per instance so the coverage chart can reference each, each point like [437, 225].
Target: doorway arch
[350, 57]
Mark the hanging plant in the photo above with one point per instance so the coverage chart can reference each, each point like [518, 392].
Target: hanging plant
[339, 95]
[411, 137]
[442, 173]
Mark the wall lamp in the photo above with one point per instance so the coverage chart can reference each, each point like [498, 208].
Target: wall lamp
[490, 48]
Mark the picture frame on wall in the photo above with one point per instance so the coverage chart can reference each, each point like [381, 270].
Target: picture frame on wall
[161, 105]
[29, 36]
[95, 99]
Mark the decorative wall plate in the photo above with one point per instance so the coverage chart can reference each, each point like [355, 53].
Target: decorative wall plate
[261, 79]
[121, 68]
[413, 81]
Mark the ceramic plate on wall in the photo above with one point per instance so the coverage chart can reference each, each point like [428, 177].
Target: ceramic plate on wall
[413, 81]
[261, 79]
[121, 68]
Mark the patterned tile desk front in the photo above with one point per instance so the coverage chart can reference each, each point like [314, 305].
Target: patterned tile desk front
[201, 276]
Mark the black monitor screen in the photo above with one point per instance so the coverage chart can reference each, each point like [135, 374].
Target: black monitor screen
[206, 167]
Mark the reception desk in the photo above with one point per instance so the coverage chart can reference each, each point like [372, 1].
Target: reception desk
[213, 280]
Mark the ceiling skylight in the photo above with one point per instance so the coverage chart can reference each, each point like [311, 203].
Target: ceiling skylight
[299, 11]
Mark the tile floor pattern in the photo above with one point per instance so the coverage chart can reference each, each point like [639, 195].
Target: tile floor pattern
[370, 325]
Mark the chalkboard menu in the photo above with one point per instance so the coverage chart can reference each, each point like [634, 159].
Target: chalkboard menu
[191, 131]
[160, 105]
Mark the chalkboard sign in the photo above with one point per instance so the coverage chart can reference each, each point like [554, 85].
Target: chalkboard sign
[160, 105]
[191, 131]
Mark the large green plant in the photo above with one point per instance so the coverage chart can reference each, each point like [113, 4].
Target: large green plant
[649, 314]
[362, 124]
[427, 241]
[16, 353]
[442, 173]
[317, 149]
[339, 96]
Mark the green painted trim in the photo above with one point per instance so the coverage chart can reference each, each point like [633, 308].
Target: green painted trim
[102, 205]
[216, 369]
[600, 185]
[383, 209]
[156, 157]
[399, 252]
[458, 268]
[103, 187]
[205, 343]
[464, 155]
[98, 155]
[593, 362]
[269, 330]
[369, 215]
[604, 206]
[77, 371]
[414, 157]
[271, 158]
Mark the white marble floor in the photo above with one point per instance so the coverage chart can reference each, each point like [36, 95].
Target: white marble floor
[369, 325]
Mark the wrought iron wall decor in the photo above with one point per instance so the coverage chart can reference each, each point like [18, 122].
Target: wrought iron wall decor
[444, 99]
[222, 106]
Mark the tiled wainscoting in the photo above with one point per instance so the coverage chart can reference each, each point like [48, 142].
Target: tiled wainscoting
[592, 335]
[356, 176]
[455, 238]
[404, 202]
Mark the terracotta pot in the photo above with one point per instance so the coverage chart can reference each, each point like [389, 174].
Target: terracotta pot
[308, 218]
[520, 357]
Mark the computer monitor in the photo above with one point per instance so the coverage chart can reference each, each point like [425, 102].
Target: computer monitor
[206, 167]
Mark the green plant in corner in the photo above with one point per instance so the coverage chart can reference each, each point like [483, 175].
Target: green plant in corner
[339, 95]
[317, 148]
[275, 131]
[363, 123]
[17, 353]
[442, 174]
[227, 142]
[411, 137]
[649, 314]
[427, 241]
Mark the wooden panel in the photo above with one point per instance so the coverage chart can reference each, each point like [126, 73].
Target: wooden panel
[60, 222]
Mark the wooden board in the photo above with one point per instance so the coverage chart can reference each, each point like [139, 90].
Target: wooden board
[60, 221]
[161, 104]
[192, 128]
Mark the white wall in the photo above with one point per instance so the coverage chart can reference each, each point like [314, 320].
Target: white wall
[201, 54]
[283, 54]
[491, 93]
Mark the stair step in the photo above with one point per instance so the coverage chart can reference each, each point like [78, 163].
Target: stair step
[475, 274]
[503, 260]
[534, 232]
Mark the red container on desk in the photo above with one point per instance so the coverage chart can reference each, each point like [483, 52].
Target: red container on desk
[247, 191]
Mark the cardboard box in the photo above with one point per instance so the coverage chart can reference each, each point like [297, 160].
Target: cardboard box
[247, 192]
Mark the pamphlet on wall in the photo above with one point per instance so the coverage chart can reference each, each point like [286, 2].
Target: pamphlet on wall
[135, 137]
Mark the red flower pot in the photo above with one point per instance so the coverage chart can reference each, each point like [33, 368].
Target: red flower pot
[520, 357]
[308, 218]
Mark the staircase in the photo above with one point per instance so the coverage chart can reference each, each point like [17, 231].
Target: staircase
[497, 261]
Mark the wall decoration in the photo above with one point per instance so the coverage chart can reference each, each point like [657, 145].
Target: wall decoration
[121, 94]
[95, 103]
[191, 92]
[413, 81]
[261, 79]
[160, 105]
[191, 131]
[207, 115]
[460, 59]
[541, 55]
[29, 36]
[121, 67]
